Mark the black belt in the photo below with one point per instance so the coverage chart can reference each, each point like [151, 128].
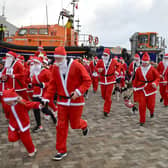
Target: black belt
[147, 81]
[108, 75]
[65, 97]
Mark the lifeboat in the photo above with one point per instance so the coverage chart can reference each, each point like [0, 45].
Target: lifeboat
[27, 39]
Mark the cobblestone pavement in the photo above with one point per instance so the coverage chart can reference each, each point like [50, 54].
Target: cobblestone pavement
[114, 142]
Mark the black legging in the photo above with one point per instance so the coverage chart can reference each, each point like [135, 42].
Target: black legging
[45, 110]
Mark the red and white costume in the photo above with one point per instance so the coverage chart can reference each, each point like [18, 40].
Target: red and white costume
[15, 77]
[132, 70]
[109, 69]
[162, 67]
[66, 79]
[145, 85]
[19, 122]
[94, 74]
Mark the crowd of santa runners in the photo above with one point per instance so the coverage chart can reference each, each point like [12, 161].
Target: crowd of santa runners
[56, 87]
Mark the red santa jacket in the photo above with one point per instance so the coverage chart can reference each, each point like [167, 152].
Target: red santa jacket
[76, 79]
[123, 69]
[166, 80]
[107, 76]
[94, 72]
[18, 115]
[16, 77]
[42, 78]
[144, 82]
[162, 69]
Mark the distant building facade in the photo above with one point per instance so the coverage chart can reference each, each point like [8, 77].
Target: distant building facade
[10, 29]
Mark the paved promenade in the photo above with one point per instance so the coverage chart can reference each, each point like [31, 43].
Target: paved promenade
[114, 142]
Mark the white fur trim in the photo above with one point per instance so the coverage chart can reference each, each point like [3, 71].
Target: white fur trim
[70, 104]
[145, 61]
[9, 55]
[18, 120]
[107, 83]
[12, 129]
[10, 99]
[59, 56]
[78, 91]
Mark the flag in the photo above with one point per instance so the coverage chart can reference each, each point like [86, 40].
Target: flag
[76, 6]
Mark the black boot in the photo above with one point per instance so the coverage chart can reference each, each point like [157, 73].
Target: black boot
[105, 114]
[151, 115]
[161, 100]
[141, 124]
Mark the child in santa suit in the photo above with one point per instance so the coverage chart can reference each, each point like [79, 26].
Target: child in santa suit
[162, 67]
[19, 123]
[69, 80]
[145, 84]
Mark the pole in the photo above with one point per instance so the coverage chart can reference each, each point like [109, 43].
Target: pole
[47, 16]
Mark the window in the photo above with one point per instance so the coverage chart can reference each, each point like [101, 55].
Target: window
[43, 31]
[143, 38]
[22, 32]
[33, 31]
[153, 40]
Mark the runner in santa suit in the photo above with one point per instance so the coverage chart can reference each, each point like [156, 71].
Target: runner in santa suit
[107, 68]
[123, 69]
[13, 75]
[69, 80]
[131, 72]
[40, 52]
[51, 102]
[162, 67]
[19, 123]
[94, 74]
[40, 79]
[145, 84]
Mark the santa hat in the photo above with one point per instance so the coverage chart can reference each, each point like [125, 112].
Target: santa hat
[30, 59]
[146, 58]
[115, 57]
[21, 57]
[166, 55]
[106, 52]
[136, 56]
[85, 60]
[40, 48]
[9, 95]
[37, 59]
[121, 58]
[3, 59]
[60, 52]
[95, 58]
[11, 54]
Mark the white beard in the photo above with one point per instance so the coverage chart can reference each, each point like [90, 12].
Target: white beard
[165, 62]
[105, 59]
[137, 63]
[35, 69]
[8, 62]
[63, 66]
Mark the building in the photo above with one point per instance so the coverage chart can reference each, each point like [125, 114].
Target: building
[10, 29]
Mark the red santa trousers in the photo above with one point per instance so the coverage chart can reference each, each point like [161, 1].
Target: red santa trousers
[106, 92]
[25, 137]
[95, 82]
[163, 94]
[145, 102]
[52, 105]
[67, 114]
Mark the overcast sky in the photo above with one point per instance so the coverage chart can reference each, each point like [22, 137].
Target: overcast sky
[113, 21]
